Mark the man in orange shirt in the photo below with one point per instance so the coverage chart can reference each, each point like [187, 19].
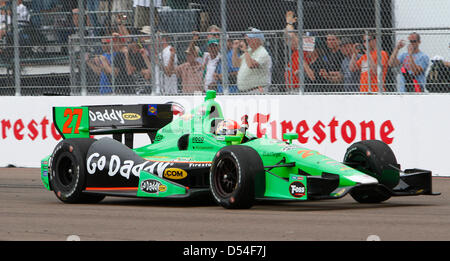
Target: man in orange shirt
[291, 75]
[363, 65]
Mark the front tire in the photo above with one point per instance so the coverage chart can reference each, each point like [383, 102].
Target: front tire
[234, 174]
[376, 159]
[68, 171]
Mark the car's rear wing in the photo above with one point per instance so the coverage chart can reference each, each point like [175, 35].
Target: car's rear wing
[118, 120]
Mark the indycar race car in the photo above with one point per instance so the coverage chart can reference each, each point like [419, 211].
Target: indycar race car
[202, 154]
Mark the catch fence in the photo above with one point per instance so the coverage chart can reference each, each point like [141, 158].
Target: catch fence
[95, 47]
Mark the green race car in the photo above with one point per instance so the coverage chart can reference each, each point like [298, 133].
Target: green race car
[201, 154]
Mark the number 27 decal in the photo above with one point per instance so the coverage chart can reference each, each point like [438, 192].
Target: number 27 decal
[70, 113]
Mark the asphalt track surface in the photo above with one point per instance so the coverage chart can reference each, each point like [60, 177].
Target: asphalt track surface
[29, 212]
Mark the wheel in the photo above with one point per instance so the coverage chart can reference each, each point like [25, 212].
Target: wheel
[235, 172]
[68, 171]
[376, 159]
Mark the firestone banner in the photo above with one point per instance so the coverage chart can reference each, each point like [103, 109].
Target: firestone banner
[416, 127]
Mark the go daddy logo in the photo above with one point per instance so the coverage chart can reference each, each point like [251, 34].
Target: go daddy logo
[175, 173]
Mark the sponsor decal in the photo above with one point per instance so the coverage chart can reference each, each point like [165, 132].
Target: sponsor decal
[107, 115]
[272, 154]
[200, 165]
[297, 189]
[96, 162]
[289, 147]
[198, 139]
[159, 137]
[297, 178]
[130, 116]
[175, 173]
[331, 131]
[152, 186]
[152, 109]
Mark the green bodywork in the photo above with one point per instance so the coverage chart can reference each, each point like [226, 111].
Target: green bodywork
[204, 144]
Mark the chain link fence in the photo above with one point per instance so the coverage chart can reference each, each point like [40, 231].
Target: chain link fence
[173, 47]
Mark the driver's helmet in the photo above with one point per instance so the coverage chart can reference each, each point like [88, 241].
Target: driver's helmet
[228, 127]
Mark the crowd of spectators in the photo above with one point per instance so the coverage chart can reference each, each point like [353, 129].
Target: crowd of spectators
[344, 64]
[123, 62]
[23, 16]
[337, 64]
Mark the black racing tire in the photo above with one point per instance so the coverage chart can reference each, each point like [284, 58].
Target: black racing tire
[376, 159]
[236, 173]
[68, 171]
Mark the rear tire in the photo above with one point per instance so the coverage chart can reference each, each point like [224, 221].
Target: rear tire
[68, 171]
[235, 173]
[376, 159]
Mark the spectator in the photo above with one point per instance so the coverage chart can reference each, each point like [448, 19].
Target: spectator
[96, 65]
[333, 58]
[232, 71]
[210, 61]
[413, 64]
[23, 15]
[254, 71]
[349, 78]
[291, 76]
[193, 44]
[366, 64]
[438, 77]
[214, 31]
[102, 65]
[92, 72]
[134, 68]
[191, 72]
[122, 65]
[145, 49]
[118, 9]
[166, 79]
[314, 80]
[5, 19]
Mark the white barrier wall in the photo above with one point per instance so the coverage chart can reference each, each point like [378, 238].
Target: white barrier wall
[416, 127]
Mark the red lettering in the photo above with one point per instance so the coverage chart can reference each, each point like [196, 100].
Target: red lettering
[319, 131]
[273, 125]
[302, 128]
[33, 131]
[18, 127]
[30, 129]
[286, 127]
[6, 124]
[55, 133]
[259, 119]
[348, 138]
[44, 123]
[333, 124]
[364, 126]
[385, 130]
